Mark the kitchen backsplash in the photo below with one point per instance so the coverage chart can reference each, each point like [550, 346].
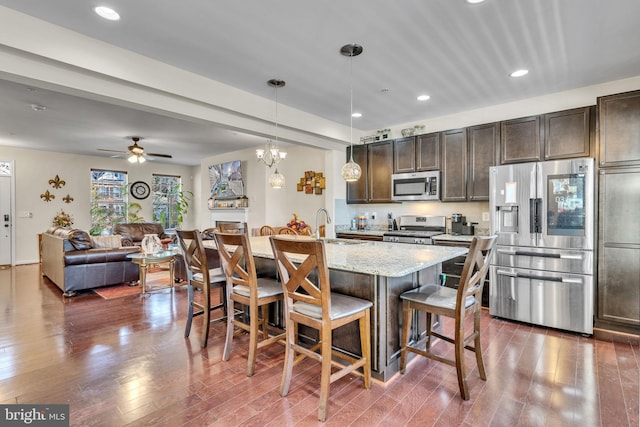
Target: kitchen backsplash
[473, 211]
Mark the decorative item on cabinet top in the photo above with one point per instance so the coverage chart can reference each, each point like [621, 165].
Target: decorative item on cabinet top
[312, 182]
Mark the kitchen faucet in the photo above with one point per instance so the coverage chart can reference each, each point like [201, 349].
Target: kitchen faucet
[317, 220]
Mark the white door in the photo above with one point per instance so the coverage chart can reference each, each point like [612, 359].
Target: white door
[5, 213]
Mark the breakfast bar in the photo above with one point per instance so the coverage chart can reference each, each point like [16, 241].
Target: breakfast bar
[378, 272]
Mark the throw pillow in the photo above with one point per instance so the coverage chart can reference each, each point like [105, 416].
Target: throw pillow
[106, 241]
[79, 239]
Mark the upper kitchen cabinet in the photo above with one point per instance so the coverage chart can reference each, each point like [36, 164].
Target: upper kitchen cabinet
[417, 153]
[619, 129]
[376, 161]
[483, 141]
[404, 155]
[454, 166]
[380, 170]
[520, 140]
[568, 134]
[428, 152]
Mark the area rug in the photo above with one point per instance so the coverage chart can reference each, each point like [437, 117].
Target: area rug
[117, 291]
[155, 278]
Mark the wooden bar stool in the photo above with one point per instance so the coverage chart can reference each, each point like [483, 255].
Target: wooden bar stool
[267, 230]
[244, 288]
[200, 277]
[456, 304]
[317, 307]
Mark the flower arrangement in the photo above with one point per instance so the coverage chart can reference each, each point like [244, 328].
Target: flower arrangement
[297, 224]
[62, 219]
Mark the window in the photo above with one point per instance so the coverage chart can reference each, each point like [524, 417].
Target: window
[108, 199]
[166, 191]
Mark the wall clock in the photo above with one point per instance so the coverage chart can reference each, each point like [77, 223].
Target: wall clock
[140, 190]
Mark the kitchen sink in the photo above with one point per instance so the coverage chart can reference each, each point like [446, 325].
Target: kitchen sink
[344, 241]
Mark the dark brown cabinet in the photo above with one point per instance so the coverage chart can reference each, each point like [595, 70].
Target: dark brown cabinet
[416, 153]
[483, 143]
[380, 169]
[428, 152]
[404, 155]
[619, 128]
[376, 161]
[568, 134]
[454, 166]
[520, 140]
[618, 286]
[618, 305]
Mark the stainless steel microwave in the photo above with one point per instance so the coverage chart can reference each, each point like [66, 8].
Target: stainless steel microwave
[415, 186]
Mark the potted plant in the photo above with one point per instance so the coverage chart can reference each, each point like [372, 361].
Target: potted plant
[182, 206]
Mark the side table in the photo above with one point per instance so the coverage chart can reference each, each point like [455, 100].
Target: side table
[144, 260]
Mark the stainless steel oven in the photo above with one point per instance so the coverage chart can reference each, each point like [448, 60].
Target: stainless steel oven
[416, 229]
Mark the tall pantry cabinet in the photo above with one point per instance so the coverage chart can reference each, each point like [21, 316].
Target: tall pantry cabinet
[618, 209]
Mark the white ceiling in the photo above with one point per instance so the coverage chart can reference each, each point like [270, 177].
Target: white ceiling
[459, 54]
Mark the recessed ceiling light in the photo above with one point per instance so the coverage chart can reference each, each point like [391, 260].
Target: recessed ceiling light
[356, 115]
[38, 107]
[423, 97]
[519, 73]
[107, 13]
[474, 1]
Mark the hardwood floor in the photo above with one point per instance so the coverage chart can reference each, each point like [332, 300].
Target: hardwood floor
[125, 361]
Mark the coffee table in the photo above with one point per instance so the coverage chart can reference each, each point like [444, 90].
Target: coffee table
[144, 260]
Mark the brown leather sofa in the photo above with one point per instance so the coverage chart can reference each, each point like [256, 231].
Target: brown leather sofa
[70, 260]
[133, 232]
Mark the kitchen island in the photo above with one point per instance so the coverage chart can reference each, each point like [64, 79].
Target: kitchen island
[378, 272]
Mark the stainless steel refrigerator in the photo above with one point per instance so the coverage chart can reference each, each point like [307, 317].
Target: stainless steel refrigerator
[543, 214]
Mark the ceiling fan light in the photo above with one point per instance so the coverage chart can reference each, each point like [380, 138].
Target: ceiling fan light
[132, 158]
[141, 159]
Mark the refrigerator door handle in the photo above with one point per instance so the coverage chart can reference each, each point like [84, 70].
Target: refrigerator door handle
[578, 256]
[543, 278]
[506, 273]
[573, 256]
[535, 213]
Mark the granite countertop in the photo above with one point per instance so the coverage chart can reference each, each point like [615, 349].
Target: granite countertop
[371, 257]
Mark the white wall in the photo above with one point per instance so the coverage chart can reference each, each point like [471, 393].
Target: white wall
[34, 169]
[268, 205]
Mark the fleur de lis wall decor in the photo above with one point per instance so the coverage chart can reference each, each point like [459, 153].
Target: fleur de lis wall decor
[57, 182]
[47, 197]
[67, 198]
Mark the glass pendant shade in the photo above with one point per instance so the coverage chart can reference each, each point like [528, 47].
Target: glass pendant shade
[351, 171]
[276, 180]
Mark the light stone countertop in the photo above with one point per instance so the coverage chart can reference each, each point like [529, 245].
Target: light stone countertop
[371, 257]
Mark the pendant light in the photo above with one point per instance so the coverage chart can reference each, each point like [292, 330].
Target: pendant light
[351, 171]
[271, 154]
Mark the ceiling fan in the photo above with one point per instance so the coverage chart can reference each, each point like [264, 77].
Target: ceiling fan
[136, 153]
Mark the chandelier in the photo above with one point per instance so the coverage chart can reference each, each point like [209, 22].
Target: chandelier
[271, 154]
[351, 171]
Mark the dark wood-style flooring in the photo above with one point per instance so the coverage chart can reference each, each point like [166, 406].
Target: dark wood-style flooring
[125, 361]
